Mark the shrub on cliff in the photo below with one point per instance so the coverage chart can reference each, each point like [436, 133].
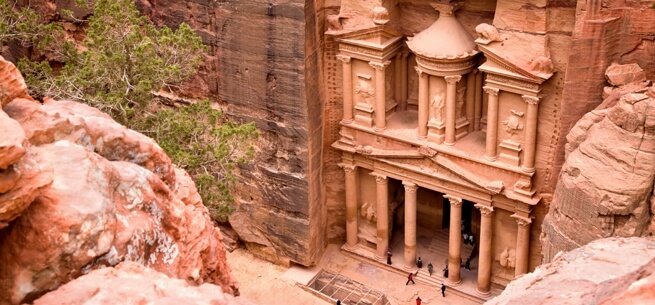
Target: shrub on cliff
[121, 61]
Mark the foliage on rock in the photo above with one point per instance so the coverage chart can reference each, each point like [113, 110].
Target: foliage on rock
[122, 60]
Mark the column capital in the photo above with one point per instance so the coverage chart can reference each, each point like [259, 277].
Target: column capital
[419, 71]
[491, 90]
[454, 200]
[532, 100]
[452, 79]
[404, 54]
[348, 168]
[522, 220]
[410, 187]
[344, 58]
[485, 209]
[379, 65]
[379, 178]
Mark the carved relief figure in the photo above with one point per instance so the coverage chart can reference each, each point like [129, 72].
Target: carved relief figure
[488, 33]
[461, 111]
[364, 90]
[513, 123]
[437, 105]
[507, 258]
[368, 212]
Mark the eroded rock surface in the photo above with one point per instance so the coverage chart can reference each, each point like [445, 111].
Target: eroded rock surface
[606, 184]
[79, 192]
[130, 283]
[606, 271]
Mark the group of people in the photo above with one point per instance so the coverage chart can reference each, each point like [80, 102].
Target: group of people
[419, 264]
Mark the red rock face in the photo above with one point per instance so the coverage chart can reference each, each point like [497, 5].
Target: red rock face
[131, 283]
[91, 193]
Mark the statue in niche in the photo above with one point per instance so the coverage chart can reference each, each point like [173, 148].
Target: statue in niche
[364, 90]
[437, 106]
[507, 258]
[513, 123]
[461, 91]
[368, 212]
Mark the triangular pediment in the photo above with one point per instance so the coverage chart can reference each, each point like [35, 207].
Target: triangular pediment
[496, 64]
[376, 37]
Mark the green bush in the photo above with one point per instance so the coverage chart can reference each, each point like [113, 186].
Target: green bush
[122, 60]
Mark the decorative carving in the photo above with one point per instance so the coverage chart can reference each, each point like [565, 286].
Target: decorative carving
[364, 150]
[410, 187]
[491, 90]
[454, 200]
[344, 58]
[437, 106]
[427, 151]
[513, 122]
[523, 185]
[418, 70]
[364, 89]
[541, 64]
[379, 65]
[379, 178]
[533, 100]
[487, 33]
[348, 168]
[522, 220]
[334, 22]
[453, 79]
[507, 258]
[485, 209]
[461, 91]
[380, 15]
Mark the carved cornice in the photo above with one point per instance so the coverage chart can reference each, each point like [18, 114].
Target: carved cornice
[379, 65]
[532, 100]
[452, 79]
[454, 200]
[344, 58]
[491, 90]
[485, 209]
[522, 220]
[410, 187]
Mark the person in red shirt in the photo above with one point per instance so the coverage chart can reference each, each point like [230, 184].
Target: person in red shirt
[418, 300]
[410, 278]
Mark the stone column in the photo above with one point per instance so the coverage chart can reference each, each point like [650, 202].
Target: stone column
[351, 205]
[403, 80]
[380, 94]
[485, 256]
[492, 123]
[478, 99]
[382, 211]
[530, 141]
[397, 80]
[451, 107]
[347, 89]
[423, 107]
[470, 101]
[522, 244]
[410, 224]
[455, 240]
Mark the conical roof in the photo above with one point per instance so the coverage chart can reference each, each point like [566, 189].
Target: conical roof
[444, 39]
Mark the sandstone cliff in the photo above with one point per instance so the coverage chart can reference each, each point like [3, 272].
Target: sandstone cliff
[606, 271]
[606, 185]
[79, 192]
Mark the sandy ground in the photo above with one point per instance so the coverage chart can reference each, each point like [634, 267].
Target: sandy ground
[264, 283]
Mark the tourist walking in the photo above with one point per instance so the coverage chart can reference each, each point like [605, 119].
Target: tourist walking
[419, 263]
[418, 300]
[467, 265]
[443, 290]
[338, 302]
[410, 278]
[445, 272]
[430, 268]
[388, 257]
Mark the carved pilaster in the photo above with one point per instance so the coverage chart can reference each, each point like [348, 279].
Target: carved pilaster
[530, 141]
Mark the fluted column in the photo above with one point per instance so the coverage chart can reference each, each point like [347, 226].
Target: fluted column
[470, 101]
[522, 244]
[410, 224]
[485, 256]
[347, 88]
[530, 141]
[403, 81]
[492, 123]
[478, 99]
[454, 239]
[380, 94]
[423, 110]
[451, 107]
[382, 211]
[351, 205]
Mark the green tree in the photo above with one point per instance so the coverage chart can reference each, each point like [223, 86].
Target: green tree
[121, 62]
